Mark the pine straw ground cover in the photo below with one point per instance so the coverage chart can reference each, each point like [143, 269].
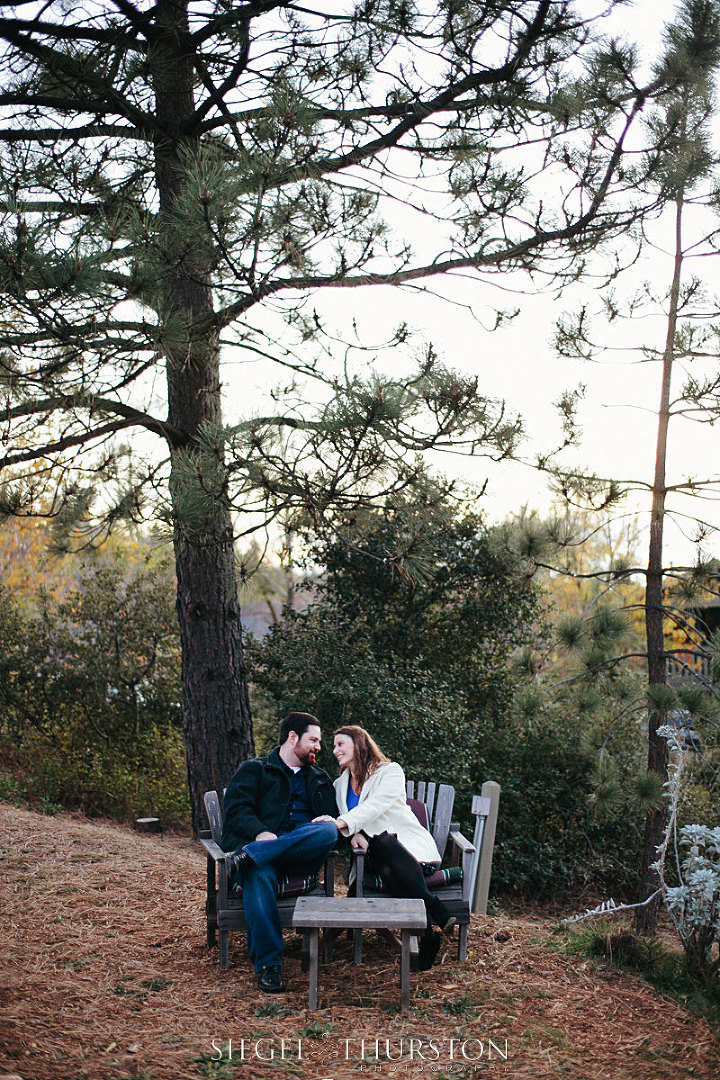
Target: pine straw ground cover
[106, 975]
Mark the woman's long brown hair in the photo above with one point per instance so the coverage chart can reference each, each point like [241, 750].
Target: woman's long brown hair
[368, 754]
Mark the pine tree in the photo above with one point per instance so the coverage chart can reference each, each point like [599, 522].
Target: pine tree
[682, 169]
[173, 172]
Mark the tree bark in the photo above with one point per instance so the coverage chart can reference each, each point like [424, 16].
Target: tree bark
[216, 709]
[646, 917]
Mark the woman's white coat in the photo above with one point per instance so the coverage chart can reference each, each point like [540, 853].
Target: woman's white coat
[383, 808]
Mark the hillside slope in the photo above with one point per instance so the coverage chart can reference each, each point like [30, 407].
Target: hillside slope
[106, 975]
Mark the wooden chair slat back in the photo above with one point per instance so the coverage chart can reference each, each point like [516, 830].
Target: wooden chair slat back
[439, 801]
[214, 813]
[442, 817]
[430, 799]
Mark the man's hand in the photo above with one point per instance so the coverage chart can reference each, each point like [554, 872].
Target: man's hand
[266, 836]
[359, 843]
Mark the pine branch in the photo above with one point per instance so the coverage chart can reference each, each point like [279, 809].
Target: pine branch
[47, 206]
[421, 111]
[131, 417]
[398, 110]
[82, 333]
[111, 100]
[111, 36]
[71, 134]
[513, 253]
[219, 93]
[244, 13]
[592, 575]
[141, 21]
[603, 665]
[66, 443]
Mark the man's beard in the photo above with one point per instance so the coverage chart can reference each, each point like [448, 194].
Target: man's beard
[306, 757]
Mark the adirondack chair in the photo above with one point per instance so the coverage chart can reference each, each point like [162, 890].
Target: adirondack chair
[224, 907]
[433, 807]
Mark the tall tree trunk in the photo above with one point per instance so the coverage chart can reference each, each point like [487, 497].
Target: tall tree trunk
[646, 917]
[216, 710]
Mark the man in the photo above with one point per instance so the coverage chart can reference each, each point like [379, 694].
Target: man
[268, 826]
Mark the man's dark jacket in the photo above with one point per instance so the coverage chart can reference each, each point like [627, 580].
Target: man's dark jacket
[259, 794]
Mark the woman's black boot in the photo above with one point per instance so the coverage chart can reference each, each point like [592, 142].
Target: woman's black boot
[441, 915]
[428, 949]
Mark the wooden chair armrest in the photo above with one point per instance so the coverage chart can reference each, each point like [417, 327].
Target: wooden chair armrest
[214, 850]
[216, 858]
[216, 861]
[463, 851]
[329, 881]
[461, 842]
[359, 858]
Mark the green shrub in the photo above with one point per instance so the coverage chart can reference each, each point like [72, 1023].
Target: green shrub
[549, 839]
[427, 667]
[90, 699]
[64, 769]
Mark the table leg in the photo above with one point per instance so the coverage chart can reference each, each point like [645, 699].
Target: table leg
[314, 966]
[405, 972]
[328, 939]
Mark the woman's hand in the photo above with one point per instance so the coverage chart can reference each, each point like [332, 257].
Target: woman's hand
[359, 842]
[337, 822]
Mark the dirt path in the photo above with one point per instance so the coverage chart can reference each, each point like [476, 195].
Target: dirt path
[105, 974]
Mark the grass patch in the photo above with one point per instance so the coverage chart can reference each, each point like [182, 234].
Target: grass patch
[156, 984]
[75, 965]
[664, 969]
[461, 1006]
[316, 1030]
[49, 806]
[546, 1035]
[272, 1008]
[210, 1068]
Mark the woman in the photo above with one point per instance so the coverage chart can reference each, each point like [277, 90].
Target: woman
[370, 794]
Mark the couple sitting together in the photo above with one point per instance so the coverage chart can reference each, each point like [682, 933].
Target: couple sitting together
[282, 814]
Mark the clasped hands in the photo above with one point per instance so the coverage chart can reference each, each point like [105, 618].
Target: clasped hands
[358, 841]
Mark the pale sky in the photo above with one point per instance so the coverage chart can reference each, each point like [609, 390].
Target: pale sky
[619, 420]
[520, 365]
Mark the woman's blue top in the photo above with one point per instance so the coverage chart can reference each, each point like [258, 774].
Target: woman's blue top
[352, 798]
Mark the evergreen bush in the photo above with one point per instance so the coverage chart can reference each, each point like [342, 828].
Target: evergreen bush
[90, 690]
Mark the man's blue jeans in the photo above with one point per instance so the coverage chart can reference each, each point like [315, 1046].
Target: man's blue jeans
[301, 851]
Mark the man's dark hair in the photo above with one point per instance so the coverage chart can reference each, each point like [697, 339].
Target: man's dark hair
[298, 722]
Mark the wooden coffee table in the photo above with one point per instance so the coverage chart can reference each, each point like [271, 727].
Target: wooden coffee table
[316, 913]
